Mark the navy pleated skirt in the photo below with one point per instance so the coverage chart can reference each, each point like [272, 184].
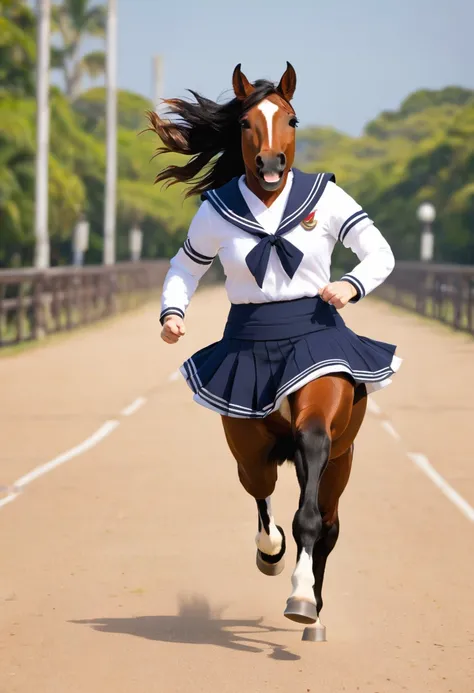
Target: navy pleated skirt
[270, 350]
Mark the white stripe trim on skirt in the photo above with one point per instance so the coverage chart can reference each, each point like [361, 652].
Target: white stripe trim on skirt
[374, 380]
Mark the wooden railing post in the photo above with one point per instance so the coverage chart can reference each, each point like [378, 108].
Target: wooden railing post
[38, 330]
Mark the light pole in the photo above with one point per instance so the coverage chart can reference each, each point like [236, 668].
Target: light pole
[426, 214]
[80, 241]
[42, 251]
[135, 243]
[111, 125]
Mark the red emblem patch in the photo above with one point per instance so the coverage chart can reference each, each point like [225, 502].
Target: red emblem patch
[310, 221]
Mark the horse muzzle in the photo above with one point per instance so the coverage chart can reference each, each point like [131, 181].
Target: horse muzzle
[270, 170]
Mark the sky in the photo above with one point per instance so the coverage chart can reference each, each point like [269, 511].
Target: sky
[353, 59]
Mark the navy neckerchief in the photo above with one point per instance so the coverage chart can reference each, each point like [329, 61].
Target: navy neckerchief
[305, 192]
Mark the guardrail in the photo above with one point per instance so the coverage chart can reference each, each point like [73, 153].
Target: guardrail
[36, 303]
[441, 292]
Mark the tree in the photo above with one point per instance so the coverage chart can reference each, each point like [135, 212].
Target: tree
[423, 151]
[131, 110]
[17, 49]
[75, 20]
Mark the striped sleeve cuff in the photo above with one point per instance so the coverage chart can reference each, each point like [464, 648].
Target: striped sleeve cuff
[358, 286]
[196, 257]
[171, 311]
[350, 222]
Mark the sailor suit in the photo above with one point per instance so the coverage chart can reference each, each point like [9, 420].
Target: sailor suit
[279, 334]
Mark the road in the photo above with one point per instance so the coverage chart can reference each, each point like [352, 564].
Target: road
[128, 563]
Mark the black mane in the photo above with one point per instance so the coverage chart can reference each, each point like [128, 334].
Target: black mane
[208, 132]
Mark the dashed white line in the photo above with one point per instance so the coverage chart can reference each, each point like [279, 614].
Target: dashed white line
[8, 499]
[423, 463]
[105, 430]
[90, 442]
[390, 429]
[101, 433]
[373, 407]
[133, 407]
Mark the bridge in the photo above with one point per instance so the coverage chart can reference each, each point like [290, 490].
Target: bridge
[128, 543]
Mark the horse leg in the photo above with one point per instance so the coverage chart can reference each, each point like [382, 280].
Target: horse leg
[321, 413]
[270, 540]
[333, 483]
[312, 454]
[254, 445]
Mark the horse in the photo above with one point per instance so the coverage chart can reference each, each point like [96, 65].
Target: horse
[316, 426]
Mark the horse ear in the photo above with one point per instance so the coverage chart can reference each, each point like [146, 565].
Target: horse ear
[287, 84]
[241, 85]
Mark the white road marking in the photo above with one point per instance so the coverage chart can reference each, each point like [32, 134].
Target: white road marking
[8, 499]
[133, 407]
[390, 429]
[105, 430]
[373, 407]
[427, 468]
[423, 463]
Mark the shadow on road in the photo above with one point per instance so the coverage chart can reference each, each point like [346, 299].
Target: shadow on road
[197, 623]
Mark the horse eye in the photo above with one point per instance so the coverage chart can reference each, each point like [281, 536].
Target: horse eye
[294, 122]
[245, 124]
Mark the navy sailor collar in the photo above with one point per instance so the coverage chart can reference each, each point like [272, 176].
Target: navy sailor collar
[305, 192]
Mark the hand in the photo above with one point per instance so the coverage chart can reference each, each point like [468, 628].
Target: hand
[173, 329]
[338, 294]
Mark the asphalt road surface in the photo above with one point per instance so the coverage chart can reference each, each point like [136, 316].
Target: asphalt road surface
[127, 543]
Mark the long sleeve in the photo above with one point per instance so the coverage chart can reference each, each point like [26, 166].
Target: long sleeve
[189, 265]
[353, 228]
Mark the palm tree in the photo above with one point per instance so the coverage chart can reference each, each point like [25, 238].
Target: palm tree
[74, 20]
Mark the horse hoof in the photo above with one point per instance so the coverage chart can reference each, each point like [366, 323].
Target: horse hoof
[316, 633]
[269, 568]
[301, 611]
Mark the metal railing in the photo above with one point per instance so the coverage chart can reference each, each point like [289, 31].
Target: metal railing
[441, 292]
[36, 303]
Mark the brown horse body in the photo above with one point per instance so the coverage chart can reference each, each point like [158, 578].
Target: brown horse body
[318, 436]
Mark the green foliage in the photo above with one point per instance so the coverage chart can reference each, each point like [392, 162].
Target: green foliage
[75, 20]
[77, 162]
[423, 151]
[17, 181]
[130, 108]
[17, 49]
[164, 216]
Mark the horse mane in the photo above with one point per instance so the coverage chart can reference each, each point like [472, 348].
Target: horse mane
[208, 132]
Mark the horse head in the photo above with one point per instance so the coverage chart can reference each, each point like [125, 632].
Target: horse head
[268, 129]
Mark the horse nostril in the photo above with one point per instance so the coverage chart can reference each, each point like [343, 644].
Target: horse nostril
[281, 158]
[259, 161]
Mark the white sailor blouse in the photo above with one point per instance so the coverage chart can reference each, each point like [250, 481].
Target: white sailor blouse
[280, 253]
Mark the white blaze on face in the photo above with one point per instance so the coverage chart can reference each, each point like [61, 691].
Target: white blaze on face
[268, 109]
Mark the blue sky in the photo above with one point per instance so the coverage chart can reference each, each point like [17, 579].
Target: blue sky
[353, 59]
